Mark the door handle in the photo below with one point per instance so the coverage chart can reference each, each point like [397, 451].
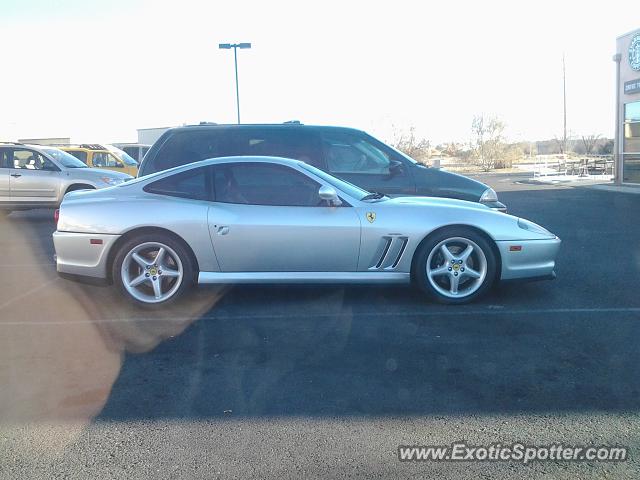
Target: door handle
[222, 230]
[16, 175]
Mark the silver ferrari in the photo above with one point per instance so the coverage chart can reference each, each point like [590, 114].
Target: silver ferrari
[274, 220]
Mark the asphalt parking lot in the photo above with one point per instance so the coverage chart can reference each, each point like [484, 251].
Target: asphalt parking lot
[317, 381]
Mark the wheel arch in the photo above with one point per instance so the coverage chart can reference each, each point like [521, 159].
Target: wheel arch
[79, 186]
[143, 231]
[479, 231]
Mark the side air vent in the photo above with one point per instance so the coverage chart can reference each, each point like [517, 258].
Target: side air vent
[404, 241]
[385, 251]
[389, 252]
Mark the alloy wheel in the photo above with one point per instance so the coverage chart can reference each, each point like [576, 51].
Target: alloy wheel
[152, 272]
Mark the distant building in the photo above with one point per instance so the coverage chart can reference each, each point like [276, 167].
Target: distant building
[46, 141]
[148, 136]
[627, 139]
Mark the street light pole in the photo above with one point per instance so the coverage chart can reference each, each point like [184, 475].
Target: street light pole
[235, 46]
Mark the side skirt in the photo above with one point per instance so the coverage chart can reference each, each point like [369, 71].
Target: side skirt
[304, 277]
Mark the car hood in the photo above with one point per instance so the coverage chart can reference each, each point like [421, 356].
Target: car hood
[437, 201]
[447, 184]
[96, 174]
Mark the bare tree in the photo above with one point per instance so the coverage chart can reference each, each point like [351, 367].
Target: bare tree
[606, 148]
[590, 142]
[452, 149]
[561, 144]
[408, 143]
[487, 141]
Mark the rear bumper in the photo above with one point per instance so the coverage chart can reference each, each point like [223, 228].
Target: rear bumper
[76, 254]
[536, 259]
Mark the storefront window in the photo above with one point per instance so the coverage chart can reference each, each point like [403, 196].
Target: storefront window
[631, 145]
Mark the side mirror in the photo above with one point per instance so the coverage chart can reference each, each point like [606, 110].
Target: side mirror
[329, 195]
[395, 168]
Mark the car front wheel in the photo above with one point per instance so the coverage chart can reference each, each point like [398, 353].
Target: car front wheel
[153, 269]
[455, 266]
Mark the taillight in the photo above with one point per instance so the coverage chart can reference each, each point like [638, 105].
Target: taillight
[56, 215]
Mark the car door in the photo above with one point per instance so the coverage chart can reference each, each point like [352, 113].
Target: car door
[33, 178]
[5, 170]
[269, 218]
[356, 158]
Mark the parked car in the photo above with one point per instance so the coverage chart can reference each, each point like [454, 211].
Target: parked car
[105, 157]
[267, 219]
[34, 176]
[346, 153]
[137, 151]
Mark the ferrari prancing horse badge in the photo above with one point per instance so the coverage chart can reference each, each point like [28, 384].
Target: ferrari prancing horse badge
[371, 216]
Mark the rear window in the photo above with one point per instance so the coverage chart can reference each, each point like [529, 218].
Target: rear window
[191, 146]
[190, 184]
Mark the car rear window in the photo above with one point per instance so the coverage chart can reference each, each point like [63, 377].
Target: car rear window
[190, 184]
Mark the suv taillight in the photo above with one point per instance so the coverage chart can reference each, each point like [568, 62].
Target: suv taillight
[56, 215]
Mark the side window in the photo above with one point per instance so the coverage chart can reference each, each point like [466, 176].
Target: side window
[4, 158]
[349, 153]
[98, 159]
[30, 160]
[189, 184]
[276, 142]
[105, 159]
[185, 147]
[80, 155]
[264, 184]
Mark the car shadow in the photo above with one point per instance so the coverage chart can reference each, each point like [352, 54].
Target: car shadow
[565, 345]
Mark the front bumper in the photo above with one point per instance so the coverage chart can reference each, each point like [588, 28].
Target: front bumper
[534, 259]
[83, 254]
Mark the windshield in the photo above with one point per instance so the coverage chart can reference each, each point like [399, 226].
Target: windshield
[64, 159]
[346, 187]
[122, 155]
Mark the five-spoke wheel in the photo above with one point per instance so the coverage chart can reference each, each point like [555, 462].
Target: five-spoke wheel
[152, 269]
[455, 266]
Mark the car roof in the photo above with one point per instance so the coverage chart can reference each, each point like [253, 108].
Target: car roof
[246, 159]
[82, 146]
[269, 126]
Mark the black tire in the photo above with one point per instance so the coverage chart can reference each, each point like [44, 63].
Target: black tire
[188, 268]
[476, 290]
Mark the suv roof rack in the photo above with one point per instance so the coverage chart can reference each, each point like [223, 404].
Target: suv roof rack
[296, 122]
[88, 146]
[92, 146]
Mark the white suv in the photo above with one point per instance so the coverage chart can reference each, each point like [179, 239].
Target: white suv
[35, 176]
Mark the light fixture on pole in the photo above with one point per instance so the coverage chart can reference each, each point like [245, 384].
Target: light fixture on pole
[235, 46]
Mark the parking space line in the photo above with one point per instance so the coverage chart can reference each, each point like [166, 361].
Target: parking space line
[26, 294]
[439, 313]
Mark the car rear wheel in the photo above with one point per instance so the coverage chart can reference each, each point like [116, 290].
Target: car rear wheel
[153, 269]
[455, 266]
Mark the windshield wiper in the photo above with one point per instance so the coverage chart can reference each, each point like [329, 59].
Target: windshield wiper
[373, 196]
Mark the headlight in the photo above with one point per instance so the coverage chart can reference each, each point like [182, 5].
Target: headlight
[533, 227]
[111, 181]
[489, 195]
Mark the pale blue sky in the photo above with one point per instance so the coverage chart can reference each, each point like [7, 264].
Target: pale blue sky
[96, 71]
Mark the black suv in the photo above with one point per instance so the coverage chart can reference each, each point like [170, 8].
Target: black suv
[346, 153]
